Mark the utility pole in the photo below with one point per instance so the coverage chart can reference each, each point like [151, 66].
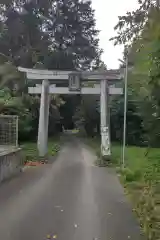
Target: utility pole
[125, 109]
[125, 104]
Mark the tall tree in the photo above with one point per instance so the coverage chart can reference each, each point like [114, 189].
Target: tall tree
[61, 34]
[22, 38]
[72, 28]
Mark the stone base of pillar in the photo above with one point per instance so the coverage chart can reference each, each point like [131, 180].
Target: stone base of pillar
[105, 142]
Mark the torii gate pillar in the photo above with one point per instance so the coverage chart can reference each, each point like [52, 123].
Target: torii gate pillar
[104, 111]
[42, 143]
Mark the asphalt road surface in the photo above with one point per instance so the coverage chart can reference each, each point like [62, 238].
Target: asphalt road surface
[68, 199]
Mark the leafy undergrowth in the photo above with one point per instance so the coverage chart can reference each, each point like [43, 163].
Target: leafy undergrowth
[30, 151]
[141, 179]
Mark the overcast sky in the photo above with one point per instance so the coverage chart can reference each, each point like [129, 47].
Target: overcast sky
[107, 12]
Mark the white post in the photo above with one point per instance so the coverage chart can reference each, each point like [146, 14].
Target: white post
[105, 137]
[17, 131]
[43, 120]
[125, 112]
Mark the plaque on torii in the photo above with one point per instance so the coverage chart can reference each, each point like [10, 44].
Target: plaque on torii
[47, 80]
[74, 80]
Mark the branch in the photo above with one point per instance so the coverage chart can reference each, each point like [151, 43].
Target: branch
[130, 26]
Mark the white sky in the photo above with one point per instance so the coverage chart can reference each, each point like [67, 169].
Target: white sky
[107, 12]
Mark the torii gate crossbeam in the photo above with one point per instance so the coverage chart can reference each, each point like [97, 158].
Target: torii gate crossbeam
[47, 78]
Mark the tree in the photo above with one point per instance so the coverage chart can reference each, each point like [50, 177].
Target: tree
[22, 38]
[130, 26]
[51, 32]
[74, 33]
[10, 105]
[144, 77]
[8, 72]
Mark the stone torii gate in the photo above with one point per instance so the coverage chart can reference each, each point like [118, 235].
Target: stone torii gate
[103, 84]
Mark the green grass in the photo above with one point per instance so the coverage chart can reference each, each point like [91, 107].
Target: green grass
[30, 152]
[141, 180]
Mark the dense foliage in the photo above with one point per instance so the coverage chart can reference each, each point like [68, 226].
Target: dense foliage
[140, 31]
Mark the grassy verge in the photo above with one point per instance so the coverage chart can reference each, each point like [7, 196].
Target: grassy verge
[30, 152]
[141, 179]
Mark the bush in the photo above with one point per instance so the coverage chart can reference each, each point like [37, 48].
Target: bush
[130, 175]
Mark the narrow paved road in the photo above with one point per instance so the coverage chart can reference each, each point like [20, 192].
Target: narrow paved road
[69, 199]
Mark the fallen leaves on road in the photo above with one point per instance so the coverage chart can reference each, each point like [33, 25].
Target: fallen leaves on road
[59, 207]
[35, 163]
[109, 213]
[49, 236]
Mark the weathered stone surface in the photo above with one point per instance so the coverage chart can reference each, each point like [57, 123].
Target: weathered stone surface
[11, 161]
